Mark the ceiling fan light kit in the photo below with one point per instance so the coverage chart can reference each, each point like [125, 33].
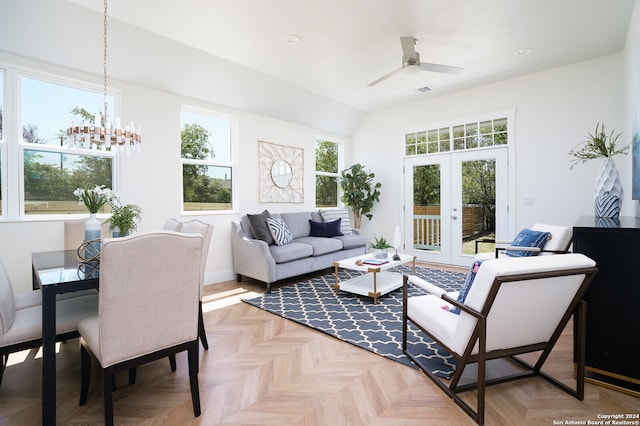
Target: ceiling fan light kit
[411, 62]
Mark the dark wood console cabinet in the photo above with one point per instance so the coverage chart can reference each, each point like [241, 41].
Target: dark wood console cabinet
[613, 300]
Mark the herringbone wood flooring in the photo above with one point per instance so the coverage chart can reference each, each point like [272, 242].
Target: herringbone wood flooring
[266, 370]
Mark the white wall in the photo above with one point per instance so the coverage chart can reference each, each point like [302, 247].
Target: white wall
[632, 92]
[554, 111]
[157, 75]
[152, 179]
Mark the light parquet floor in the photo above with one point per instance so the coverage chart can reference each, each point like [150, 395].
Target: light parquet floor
[261, 369]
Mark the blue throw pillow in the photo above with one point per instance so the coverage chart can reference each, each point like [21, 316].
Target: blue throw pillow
[528, 238]
[462, 295]
[325, 229]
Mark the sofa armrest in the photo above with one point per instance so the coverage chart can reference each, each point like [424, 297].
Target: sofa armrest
[251, 257]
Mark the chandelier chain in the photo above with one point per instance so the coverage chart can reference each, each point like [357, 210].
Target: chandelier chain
[105, 135]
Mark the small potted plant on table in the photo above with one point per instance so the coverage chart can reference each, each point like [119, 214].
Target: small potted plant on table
[124, 219]
[380, 246]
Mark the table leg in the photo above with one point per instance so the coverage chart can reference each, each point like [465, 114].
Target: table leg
[375, 293]
[337, 284]
[48, 356]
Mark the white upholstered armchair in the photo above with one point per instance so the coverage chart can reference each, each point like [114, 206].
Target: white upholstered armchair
[148, 308]
[514, 306]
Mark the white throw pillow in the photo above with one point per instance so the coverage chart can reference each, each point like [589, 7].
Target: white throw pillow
[279, 231]
[330, 215]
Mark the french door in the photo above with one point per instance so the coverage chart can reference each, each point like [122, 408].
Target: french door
[453, 200]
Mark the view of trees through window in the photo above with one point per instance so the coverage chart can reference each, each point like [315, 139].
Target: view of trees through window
[206, 161]
[479, 191]
[478, 176]
[52, 170]
[2, 144]
[478, 134]
[327, 175]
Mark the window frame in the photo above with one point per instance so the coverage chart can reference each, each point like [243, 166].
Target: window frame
[337, 175]
[429, 140]
[13, 146]
[3, 143]
[232, 163]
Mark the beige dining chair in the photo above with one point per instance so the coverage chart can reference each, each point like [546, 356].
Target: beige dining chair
[147, 310]
[206, 230]
[21, 318]
[74, 233]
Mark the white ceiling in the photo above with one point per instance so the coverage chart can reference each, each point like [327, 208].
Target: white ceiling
[346, 44]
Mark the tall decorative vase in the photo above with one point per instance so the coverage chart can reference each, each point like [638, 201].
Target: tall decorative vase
[608, 190]
[91, 243]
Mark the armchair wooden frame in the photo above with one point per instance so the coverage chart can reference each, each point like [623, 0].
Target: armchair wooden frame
[478, 359]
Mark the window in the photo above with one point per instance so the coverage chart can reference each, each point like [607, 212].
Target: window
[2, 147]
[51, 168]
[458, 137]
[207, 144]
[1, 101]
[328, 164]
[39, 169]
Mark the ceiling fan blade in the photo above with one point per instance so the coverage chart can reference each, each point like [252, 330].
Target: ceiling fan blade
[447, 69]
[384, 77]
[408, 48]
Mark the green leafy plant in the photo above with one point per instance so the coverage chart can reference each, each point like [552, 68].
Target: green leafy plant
[597, 145]
[359, 192]
[125, 217]
[380, 243]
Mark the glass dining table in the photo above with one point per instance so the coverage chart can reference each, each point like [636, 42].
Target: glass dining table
[56, 272]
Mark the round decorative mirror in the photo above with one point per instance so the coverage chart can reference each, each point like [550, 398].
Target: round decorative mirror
[281, 173]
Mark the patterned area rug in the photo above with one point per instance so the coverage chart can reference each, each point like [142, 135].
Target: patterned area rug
[355, 319]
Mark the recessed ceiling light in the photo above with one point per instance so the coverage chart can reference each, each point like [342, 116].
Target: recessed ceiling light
[523, 52]
[292, 39]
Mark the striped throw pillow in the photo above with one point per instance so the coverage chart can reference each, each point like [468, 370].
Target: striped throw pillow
[279, 231]
[331, 215]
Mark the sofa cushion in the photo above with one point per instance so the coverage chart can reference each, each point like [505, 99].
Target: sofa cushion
[325, 229]
[279, 231]
[291, 251]
[352, 241]
[321, 245]
[329, 215]
[298, 223]
[259, 226]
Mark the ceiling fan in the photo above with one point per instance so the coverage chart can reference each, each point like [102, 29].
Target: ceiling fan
[411, 61]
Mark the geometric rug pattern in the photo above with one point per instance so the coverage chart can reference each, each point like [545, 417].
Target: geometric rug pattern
[356, 320]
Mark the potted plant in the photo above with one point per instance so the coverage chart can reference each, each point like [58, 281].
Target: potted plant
[597, 145]
[380, 246]
[359, 192]
[608, 186]
[124, 219]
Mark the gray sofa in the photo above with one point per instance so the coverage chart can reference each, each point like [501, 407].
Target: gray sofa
[256, 258]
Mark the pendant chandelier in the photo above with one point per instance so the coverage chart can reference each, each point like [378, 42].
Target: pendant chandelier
[104, 134]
